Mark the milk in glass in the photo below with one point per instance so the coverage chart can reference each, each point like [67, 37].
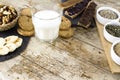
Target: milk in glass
[46, 24]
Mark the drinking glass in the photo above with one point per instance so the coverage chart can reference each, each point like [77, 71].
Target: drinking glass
[46, 18]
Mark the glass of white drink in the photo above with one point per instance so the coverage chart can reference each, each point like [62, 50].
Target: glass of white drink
[46, 18]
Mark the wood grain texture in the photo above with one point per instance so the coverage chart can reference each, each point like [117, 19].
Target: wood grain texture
[80, 57]
[107, 47]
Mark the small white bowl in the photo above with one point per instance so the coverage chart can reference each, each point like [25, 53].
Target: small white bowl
[114, 56]
[104, 20]
[107, 35]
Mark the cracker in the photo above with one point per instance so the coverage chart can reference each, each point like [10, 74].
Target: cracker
[65, 24]
[25, 33]
[66, 33]
[25, 23]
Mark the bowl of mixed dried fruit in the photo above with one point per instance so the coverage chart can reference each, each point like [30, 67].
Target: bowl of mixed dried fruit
[8, 17]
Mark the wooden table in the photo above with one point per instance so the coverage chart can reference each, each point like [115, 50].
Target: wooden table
[79, 58]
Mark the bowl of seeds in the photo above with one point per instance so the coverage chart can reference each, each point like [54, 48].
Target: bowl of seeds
[8, 17]
[115, 52]
[112, 31]
[107, 14]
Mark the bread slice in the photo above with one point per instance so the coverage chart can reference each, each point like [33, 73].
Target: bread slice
[76, 9]
[87, 16]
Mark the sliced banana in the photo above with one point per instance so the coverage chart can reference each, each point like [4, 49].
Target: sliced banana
[11, 47]
[2, 41]
[11, 39]
[4, 50]
[18, 42]
[9, 44]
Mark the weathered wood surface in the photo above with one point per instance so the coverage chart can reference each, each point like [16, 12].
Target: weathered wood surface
[115, 68]
[78, 58]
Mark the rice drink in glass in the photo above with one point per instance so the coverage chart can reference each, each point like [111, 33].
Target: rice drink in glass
[46, 20]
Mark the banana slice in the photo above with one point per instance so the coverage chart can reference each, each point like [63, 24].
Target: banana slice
[4, 50]
[9, 44]
[18, 42]
[11, 47]
[2, 41]
[11, 39]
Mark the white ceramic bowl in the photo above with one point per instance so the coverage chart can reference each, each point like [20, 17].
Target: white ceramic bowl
[107, 35]
[114, 56]
[104, 20]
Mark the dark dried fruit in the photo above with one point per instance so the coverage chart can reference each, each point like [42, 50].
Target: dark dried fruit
[76, 9]
[86, 18]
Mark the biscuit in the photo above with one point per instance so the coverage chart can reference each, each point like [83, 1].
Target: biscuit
[25, 32]
[26, 12]
[65, 24]
[66, 33]
[25, 23]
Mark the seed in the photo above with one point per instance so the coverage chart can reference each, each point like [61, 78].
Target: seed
[108, 14]
[113, 30]
[117, 49]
